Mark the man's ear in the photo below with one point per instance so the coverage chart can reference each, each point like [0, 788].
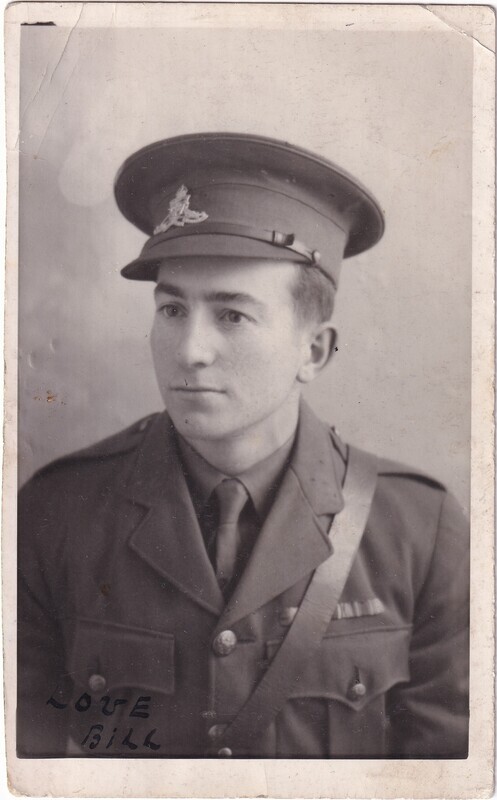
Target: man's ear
[319, 348]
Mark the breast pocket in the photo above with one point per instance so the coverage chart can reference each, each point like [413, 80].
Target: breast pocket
[123, 683]
[338, 706]
[106, 657]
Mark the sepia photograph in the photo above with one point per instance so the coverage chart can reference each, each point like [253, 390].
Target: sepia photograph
[243, 399]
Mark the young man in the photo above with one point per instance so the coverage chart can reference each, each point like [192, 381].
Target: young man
[228, 578]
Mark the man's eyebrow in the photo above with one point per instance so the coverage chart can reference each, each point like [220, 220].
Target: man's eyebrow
[233, 297]
[169, 288]
[212, 297]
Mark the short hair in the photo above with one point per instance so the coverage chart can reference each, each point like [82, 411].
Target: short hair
[313, 294]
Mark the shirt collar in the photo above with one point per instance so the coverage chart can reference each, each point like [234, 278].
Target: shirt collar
[261, 480]
[317, 459]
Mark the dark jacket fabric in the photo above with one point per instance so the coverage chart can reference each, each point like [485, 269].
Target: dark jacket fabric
[119, 609]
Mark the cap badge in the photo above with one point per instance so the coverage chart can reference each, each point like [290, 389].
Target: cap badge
[179, 213]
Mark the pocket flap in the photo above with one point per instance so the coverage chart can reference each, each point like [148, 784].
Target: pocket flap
[354, 668]
[109, 656]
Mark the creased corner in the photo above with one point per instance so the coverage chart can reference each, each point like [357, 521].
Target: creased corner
[447, 16]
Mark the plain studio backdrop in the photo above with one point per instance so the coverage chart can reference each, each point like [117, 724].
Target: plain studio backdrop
[393, 108]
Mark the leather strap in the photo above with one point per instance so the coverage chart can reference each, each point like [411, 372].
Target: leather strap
[304, 636]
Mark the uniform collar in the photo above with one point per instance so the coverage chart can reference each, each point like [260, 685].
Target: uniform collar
[318, 463]
[261, 480]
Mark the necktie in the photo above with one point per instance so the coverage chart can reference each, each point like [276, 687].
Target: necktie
[232, 497]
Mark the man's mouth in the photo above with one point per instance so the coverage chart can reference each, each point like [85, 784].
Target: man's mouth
[197, 389]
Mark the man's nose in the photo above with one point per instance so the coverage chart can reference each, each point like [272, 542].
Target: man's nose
[198, 345]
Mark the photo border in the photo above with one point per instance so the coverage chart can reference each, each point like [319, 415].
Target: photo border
[472, 777]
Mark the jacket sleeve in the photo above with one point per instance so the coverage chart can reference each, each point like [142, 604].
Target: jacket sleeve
[429, 715]
[40, 668]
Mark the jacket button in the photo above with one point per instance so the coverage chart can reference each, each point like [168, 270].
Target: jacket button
[225, 752]
[97, 683]
[216, 731]
[357, 691]
[287, 615]
[224, 643]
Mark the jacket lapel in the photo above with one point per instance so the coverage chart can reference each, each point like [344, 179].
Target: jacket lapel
[293, 540]
[168, 537]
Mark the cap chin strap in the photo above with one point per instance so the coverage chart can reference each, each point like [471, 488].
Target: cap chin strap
[283, 240]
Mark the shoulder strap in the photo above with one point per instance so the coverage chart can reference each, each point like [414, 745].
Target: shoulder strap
[303, 638]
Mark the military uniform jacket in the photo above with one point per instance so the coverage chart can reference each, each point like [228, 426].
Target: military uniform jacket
[127, 648]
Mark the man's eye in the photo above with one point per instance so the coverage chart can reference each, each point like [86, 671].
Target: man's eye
[170, 310]
[234, 317]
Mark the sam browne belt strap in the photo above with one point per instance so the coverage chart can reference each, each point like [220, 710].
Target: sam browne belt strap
[303, 638]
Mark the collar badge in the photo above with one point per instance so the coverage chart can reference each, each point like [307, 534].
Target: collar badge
[179, 213]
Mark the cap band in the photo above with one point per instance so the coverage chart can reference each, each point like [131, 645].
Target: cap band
[276, 238]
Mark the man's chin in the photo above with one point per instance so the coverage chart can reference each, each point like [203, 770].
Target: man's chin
[200, 426]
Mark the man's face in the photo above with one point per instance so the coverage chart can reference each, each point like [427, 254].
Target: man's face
[227, 345]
